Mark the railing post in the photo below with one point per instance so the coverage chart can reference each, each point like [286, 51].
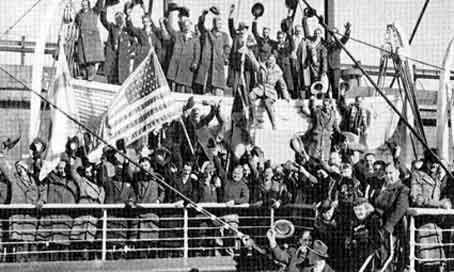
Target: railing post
[271, 217]
[185, 233]
[22, 54]
[412, 255]
[104, 235]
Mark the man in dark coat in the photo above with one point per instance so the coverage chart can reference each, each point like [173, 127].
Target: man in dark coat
[316, 60]
[149, 36]
[264, 38]
[284, 48]
[89, 52]
[235, 190]
[118, 49]
[324, 124]
[147, 191]
[355, 117]
[118, 190]
[185, 56]
[391, 203]
[334, 50]
[210, 76]
[58, 187]
[241, 72]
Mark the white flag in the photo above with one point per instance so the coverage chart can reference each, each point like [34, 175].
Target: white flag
[61, 128]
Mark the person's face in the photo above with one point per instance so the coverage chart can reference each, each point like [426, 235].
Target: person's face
[359, 101]
[246, 170]
[347, 172]
[146, 21]
[266, 32]
[243, 32]
[433, 167]
[370, 160]
[354, 157]
[267, 184]
[21, 171]
[186, 25]
[391, 174]
[360, 211]
[281, 37]
[378, 169]
[326, 103]
[196, 116]
[187, 169]
[335, 159]
[61, 169]
[306, 239]
[73, 146]
[271, 61]
[317, 33]
[328, 215]
[85, 5]
[146, 165]
[119, 21]
[89, 172]
[217, 23]
[237, 174]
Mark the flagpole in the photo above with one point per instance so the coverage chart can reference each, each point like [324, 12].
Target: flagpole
[186, 135]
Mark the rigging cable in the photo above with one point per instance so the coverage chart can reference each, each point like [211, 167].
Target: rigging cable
[21, 17]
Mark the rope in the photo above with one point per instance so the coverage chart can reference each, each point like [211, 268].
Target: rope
[191, 203]
[21, 17]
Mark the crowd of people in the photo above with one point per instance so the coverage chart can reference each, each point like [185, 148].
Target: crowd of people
[361, 201]
[202, 60]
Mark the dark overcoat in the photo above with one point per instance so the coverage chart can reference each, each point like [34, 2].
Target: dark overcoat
[215, 52]
[119, 46]
[318, 139]
[186, 54]
[57, 227]
[88, 45]
[283, 54]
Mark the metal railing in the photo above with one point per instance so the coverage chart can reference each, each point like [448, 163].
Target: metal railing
[56, 232]
[437, 247]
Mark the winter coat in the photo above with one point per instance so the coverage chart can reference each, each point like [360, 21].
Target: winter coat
[146, 41]
[57, 227]
[88, 46]
[85, 226]
[186, 55]
[269, 79]
[118, 49]
[236, 191]
[214, 55]
[319, 137]
[147, 191]
[118, 191]
[284, 52]
[425, 191]
[392, 203]
[24, 190]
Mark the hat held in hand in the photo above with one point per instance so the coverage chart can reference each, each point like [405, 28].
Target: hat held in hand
[283, 228]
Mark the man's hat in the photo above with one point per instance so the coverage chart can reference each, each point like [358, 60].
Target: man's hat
[183, 11]
[283, 228]
[257, 10]
[291, 4]
[215, 10]
[242, 25]
[319, 249]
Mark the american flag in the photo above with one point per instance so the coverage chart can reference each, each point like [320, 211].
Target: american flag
[144, 102]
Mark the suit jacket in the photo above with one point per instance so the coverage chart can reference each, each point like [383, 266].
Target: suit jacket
[295, 261]
[267, 81]
[392, 203]
[425, 190]
[334, 50]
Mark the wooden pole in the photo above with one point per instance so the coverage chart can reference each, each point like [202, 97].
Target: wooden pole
[186, 135]
[150, 6]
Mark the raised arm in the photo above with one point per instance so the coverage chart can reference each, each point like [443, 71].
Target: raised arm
[131, 29]
[254, 30]
[104, 21]
[201, 22]
[231, 22]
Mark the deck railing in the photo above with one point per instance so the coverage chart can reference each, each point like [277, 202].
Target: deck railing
[57, 232]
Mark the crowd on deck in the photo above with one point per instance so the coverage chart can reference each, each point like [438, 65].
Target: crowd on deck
[360, 201]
